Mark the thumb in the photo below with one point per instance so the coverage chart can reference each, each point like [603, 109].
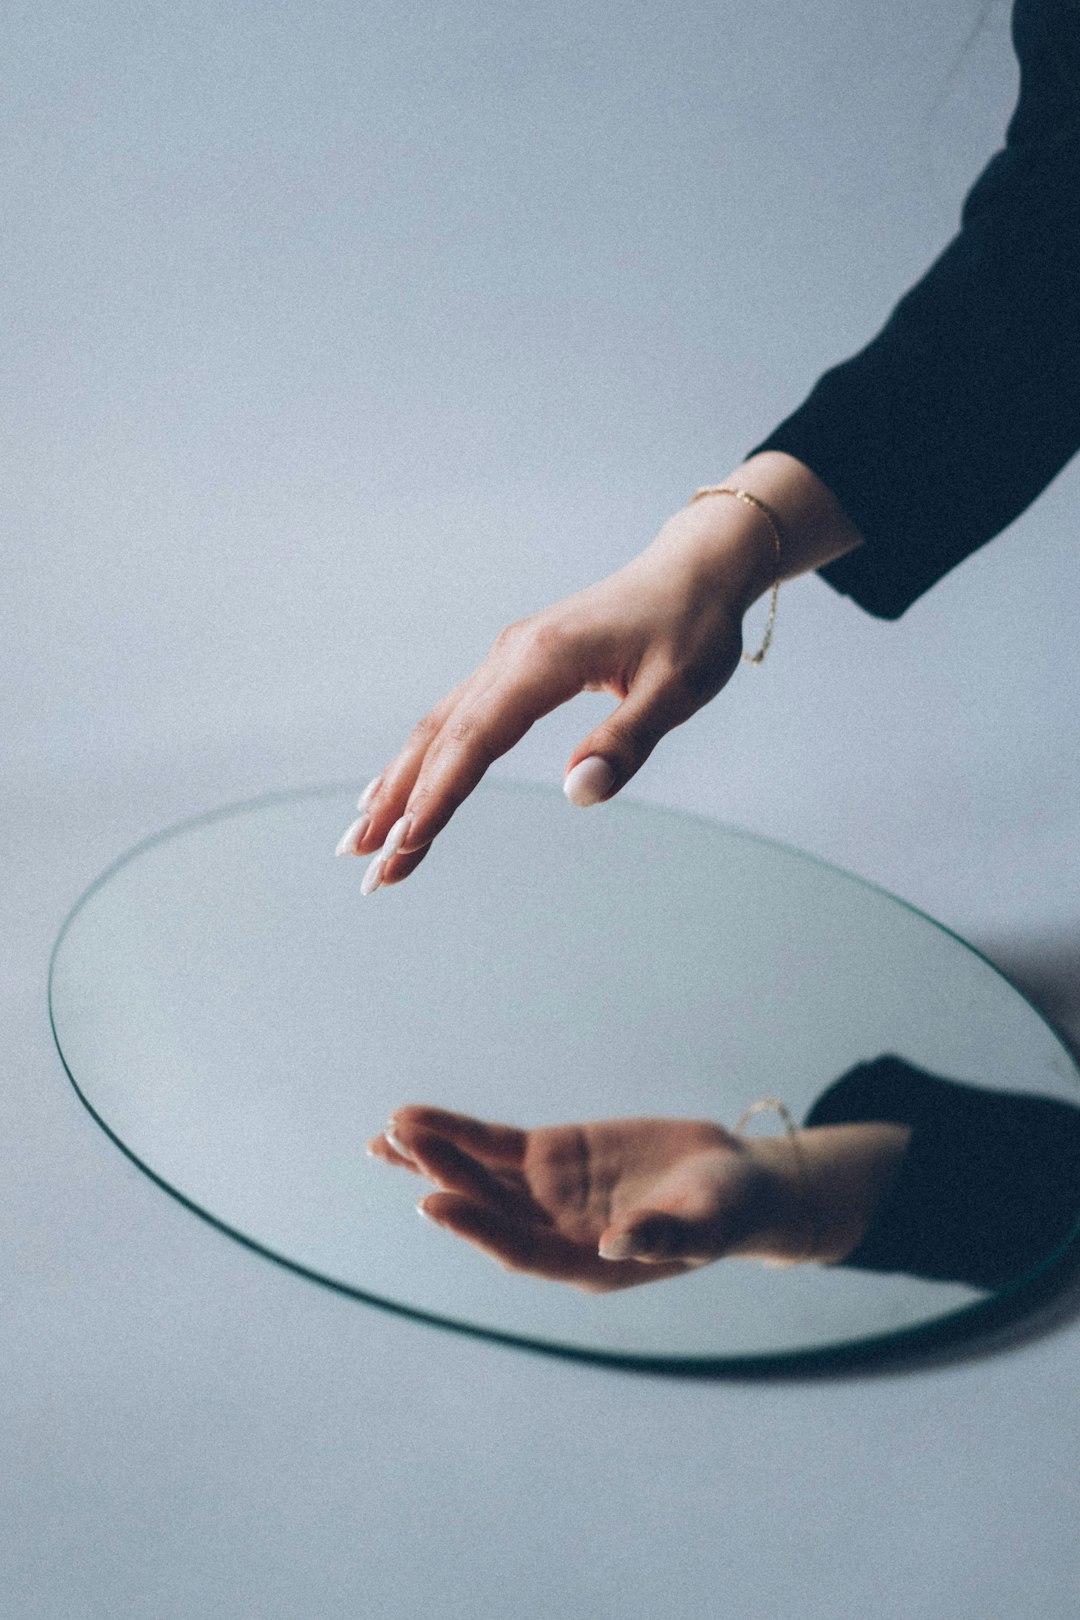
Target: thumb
[654, 1236]
[609, 756]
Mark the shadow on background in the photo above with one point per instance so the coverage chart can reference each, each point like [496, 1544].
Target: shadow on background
[1047, 969]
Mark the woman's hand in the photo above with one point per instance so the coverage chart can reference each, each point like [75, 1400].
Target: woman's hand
[619, 1202]
[602, 1206]
[661, 635]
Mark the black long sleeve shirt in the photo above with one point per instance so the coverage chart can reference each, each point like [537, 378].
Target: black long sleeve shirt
[989, 1186]
[958, 414]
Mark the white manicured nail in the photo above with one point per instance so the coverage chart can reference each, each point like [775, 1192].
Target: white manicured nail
[420, 1210]
[397, 1145]
[589, 780]
[617, 1248]
[353, 837]
[369, 793]
[395, 838]
[372, 878]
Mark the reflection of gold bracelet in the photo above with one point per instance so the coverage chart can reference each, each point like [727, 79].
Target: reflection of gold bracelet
[774, 524]
[775, 1106]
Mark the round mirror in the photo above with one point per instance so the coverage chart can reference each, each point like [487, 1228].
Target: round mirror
[241, 1021]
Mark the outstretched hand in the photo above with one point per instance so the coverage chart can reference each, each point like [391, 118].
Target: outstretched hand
[662, 636]
[603, 1206]
[619, 1202]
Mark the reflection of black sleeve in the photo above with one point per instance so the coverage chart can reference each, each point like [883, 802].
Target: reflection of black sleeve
[990, 1182]
[965, 406]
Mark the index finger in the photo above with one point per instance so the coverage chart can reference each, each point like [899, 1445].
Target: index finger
[485, 723]
[500, 1146]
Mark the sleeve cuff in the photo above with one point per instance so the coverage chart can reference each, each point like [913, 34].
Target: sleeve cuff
[989, 1186]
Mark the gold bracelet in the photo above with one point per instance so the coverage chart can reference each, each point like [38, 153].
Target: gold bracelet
[774, 524]
[809, 1235]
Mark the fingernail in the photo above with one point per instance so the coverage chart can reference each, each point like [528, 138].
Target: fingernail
[589, 780]
[353, 837]
[396, 1144]
[420, 1210]
[395, 837]
[372, 878]
[616, 1248]
[369, 792]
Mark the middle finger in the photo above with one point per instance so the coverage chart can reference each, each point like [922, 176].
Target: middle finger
[486, 723]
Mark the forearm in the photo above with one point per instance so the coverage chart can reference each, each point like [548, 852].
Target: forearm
[950, 422]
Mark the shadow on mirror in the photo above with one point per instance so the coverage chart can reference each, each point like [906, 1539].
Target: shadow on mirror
[894, 1170]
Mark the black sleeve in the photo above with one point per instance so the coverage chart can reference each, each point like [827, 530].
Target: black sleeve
[989, 1186]
[953, 419]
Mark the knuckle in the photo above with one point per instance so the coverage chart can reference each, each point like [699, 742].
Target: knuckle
[509, 638]
[420, 802]
[633, 738]
[530, 640]
[468, 731]
[474, 739]
[544, 638]
[425, 729]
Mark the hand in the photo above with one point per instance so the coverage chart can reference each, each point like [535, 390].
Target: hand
[661, 635]
[602, 1206]
[620, 1202]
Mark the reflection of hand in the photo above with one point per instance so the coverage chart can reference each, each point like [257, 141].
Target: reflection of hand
[619, 1202]
[657, 1196]
[662, 636]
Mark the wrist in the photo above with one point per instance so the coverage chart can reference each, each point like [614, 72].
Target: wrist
[815, 528]
[724, 547]
[732, 544]
[784, 1229]
[823, 1188]
[788, 523]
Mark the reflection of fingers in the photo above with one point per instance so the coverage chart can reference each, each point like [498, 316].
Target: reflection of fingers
[520, 1247]
[380, 1148]
[493, 1144]
[454, 1171]
[512, 1243]
[654, 1238]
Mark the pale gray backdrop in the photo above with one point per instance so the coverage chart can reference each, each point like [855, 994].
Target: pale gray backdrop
[336, 336]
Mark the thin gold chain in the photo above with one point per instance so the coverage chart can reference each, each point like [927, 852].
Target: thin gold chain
[774, 524]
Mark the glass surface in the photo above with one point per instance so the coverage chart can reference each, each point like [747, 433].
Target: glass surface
[241, 1021]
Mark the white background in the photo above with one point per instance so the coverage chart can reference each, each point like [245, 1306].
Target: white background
[336, 336]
